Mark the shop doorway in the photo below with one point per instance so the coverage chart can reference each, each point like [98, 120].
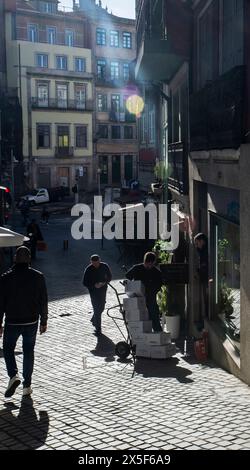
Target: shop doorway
[116, 169]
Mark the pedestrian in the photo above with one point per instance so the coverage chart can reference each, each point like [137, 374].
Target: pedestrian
[151, 278]
[96, 277]
[25, 209]
[35, 234]
[23, 302]
[45, 215]
[201, 245]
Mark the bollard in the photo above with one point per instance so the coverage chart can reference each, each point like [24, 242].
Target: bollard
[65, 244]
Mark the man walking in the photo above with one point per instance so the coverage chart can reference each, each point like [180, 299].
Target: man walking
[96, 278]
[151, 277]
[23, 301]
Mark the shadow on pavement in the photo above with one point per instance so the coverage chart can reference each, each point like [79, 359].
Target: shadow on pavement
[162, 368]
[104, 348]
[26, 430]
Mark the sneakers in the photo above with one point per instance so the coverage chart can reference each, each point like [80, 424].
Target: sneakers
[12, 385]
[27, 391]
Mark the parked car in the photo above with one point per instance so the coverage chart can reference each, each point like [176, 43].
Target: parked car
[41, 195]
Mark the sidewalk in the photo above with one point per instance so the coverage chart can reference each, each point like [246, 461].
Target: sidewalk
[95, 403]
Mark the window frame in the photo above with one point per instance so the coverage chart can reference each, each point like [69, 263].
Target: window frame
[114, 38]
[41, 54]
[85, 136]
[126, 40]
[38, 124]
[101, 37]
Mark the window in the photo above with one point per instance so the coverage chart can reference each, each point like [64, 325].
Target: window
[47, 7]
[42, 60]
[115, 103]
[114, 70]
[43, 94]
[115, 132]
[80, 64]
[101, 37]
[51, 35]
[80, 96]
[69, 38]
[114, 38]
[61, 62]
[32, 33]
[128, 132]
[126, 72]
[81, 136]
[62, 95]
[103, 132]
[63, 136]
[101, 69]
[101, 102]
[43, 136]
[127, 40]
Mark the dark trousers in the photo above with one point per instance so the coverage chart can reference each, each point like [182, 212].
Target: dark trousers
[98, 299]
[154, 313]
[11, 335]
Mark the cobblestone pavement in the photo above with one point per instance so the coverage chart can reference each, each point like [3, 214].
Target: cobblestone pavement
[173, 404]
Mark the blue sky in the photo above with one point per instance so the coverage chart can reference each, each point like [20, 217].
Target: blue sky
[125, 8]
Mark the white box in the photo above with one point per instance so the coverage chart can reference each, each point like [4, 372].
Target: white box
[139, 338]
[136, 315]
[158, 339]
[139, 327]
[143, 350]
[132, 303]
[134, 289]
[163, 352]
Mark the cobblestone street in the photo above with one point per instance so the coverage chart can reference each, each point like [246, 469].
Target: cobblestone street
[95, 403]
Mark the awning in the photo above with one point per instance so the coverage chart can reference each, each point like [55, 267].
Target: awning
[9, 238]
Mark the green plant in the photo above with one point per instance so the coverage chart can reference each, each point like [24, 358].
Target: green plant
[162, 300]
[161, 249]
[225, 300]
[160, 171]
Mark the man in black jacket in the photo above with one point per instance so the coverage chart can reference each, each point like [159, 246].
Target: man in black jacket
[96, 278]
[151, 277]
[23, 301]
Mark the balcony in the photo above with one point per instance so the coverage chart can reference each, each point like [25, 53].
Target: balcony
[69, 105]
[64, 152]
[41, 36]
[161, 46]
[178, 173]
[216, 113]
[126, 117]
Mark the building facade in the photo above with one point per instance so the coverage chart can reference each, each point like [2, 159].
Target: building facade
[115, 129]
[49, 62]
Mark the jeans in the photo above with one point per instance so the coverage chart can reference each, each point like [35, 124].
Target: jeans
[98, 299]
[154, 313]
[11, 335]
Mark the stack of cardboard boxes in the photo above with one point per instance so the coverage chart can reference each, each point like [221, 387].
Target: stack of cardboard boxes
[148, 344]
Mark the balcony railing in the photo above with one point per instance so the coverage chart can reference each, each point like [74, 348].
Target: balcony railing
[216, 113]
[64, 152]
[117, 116]
[178, 173]
[53, 103]
[116, 83]
[42, 36]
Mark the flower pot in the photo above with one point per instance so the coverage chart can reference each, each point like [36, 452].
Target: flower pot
[173, 326]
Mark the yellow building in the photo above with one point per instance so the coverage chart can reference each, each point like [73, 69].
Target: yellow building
[49, 62]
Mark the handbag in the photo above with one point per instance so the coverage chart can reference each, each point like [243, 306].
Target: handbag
[41, 245]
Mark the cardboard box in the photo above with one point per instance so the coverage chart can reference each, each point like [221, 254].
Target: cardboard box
[143, 351]
[139, 327]
[158, 339]
[133, 303]
[135, 289]
[163, 352]
[136, 315]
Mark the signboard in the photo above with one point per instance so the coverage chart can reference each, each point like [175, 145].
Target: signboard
[176, 273]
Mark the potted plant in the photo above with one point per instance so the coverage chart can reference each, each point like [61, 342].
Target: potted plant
[163, 254]
[160, 172]
[169, 317]
[225, 302]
